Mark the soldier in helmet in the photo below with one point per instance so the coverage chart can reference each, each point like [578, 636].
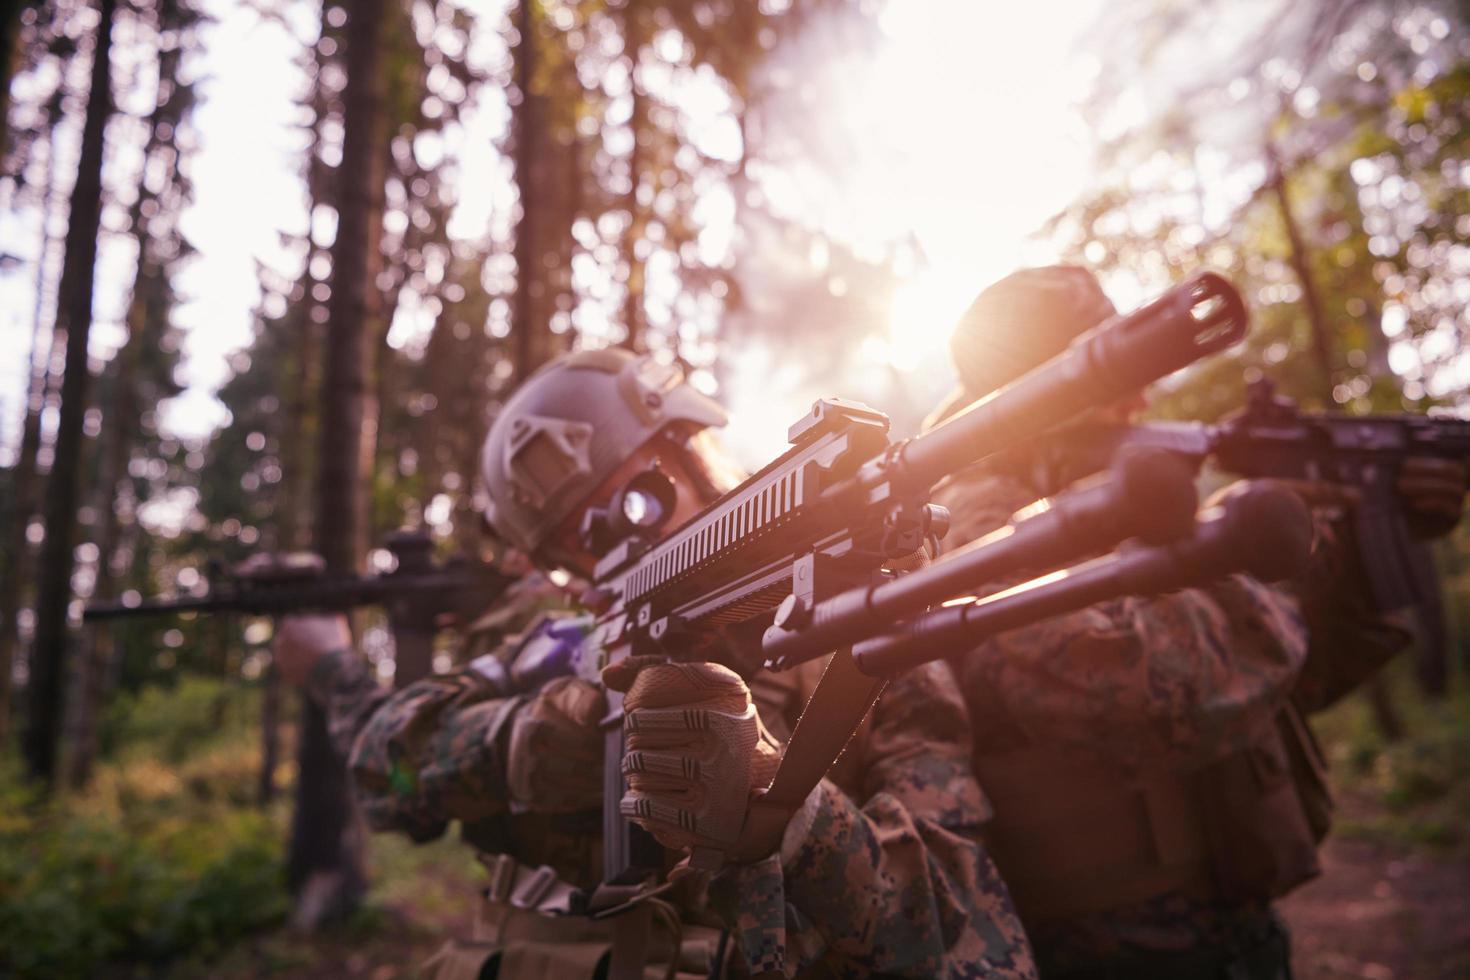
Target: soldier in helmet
[880, 871]
[1154, 783]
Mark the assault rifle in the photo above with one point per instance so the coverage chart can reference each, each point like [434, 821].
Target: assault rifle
[414, 594]
[792, 563]
[1271, 437]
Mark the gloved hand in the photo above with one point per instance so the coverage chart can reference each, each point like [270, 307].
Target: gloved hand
[695, 748]
[1434, 493]
[302, 640]
[554, 761]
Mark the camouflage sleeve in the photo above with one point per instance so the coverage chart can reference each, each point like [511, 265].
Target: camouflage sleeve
[1350, 640]
[434, 752]
[899, 886]
[343, 686]
[420, 756]
[1176, 680]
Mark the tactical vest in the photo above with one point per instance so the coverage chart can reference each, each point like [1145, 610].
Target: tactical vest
[525, 928]
[1071, 838]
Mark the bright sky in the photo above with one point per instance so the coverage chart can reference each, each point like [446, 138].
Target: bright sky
[961, 128]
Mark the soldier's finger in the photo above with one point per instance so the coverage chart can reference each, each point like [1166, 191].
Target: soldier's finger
[656, 815]
[1417, 487]
[1322, 493]
[653, 720]
[1423, 466]
[674, 765]
[580, 702]
[666, 685]
[621, 675]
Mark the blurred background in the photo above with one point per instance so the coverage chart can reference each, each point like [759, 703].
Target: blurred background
[267, 263]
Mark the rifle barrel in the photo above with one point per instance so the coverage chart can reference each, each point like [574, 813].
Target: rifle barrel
[1201, 316]
[328, 594]
[159, 607]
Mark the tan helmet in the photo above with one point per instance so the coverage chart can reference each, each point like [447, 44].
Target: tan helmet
[570, 426]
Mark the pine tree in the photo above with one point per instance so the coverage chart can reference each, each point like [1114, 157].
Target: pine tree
[74, 309]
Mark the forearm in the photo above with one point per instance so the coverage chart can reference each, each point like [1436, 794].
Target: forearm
[1350, 640]
[434, 752]
[342, 683]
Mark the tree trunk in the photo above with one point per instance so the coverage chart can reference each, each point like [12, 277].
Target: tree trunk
[74, 310]
[26, 485]
[1300, 259]
[325, 861]
[529, 126]
[9, 52]
[147, 318]
[633, 309]
[90, 668]
[1380, 698]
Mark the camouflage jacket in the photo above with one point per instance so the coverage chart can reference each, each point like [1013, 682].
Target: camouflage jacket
[1142, 682]
[881, 872]
[1143, 685]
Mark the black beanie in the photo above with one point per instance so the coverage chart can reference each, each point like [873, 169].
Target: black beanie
[1022, 321]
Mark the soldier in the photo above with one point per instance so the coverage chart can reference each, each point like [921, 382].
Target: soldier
[880, 871]
[1154, 786]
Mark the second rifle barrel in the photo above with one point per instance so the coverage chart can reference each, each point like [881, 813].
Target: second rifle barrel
[1264, 531]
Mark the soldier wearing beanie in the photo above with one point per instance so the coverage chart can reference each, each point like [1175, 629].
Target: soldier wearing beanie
[1154, 781]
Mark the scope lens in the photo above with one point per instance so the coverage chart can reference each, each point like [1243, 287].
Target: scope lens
[641, 508]
[648, 500]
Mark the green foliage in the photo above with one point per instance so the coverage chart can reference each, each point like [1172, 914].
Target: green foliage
[78, 889]
[1414, 791]
[171, 723]
[162, 857]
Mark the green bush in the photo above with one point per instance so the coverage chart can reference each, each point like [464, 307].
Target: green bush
[1417, 789]
[160, 858]
[171, 723]
[77, 890]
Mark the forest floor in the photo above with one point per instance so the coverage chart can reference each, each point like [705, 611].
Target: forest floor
[1382, 910]
[1393, 902]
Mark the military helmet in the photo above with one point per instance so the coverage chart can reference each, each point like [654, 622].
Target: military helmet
[570, 426]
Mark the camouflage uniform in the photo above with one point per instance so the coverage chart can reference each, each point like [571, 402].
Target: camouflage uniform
[1178, 700]
[881, 872]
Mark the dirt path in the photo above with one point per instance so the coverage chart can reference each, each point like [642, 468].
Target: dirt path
[1381, 913]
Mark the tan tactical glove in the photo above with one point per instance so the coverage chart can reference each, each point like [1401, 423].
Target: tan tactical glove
[554, 763]
[695, 749]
